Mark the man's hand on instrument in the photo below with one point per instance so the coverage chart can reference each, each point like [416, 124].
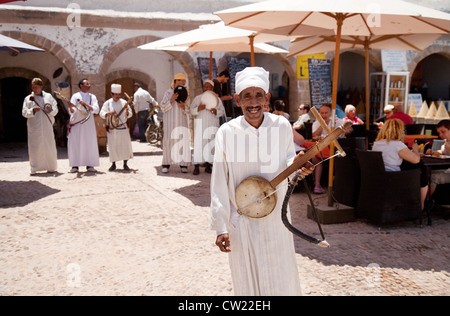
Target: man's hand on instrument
[48, 107]
[111, 113]
[307, 168]
[213, 111]
[174, 97]
[223, 242]
[87, 105]
[36, 108]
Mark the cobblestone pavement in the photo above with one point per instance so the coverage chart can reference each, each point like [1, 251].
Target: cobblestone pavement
[145, 233]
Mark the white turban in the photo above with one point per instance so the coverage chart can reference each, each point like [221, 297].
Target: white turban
[252, 77]
[116, 88]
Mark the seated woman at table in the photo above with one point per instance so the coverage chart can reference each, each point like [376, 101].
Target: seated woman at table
[319, 133]
[350, 111]
[441, 176]
[390, 143]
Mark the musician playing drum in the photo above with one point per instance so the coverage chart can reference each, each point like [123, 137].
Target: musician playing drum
[119, 141]
[82, 147]
[177, 139]
[261, 250]
[207, 108]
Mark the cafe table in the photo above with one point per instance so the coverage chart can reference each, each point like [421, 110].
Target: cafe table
[325, 153]
[433, 163]
[410, 139]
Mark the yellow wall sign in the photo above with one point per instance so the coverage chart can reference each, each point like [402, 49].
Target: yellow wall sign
[302, 64]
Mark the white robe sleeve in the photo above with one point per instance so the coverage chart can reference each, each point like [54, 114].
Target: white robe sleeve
[27, 109]
[165, 104]
[95, 106]
[220, 197]
[105, 109]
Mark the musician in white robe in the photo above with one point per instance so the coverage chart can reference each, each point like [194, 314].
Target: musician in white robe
[177, 136]
[119, 141]
[206, 124]
[40, 109]
[82, 146]
[261, 250]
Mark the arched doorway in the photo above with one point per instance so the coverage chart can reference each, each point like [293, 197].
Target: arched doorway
[13, 126]
[430, 78]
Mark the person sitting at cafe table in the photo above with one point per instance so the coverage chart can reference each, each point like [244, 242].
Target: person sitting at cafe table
[390, 143]
[319, 133]
[388, 112]
[399, 114]
[441, 176]
[303, 116]
[350, 112]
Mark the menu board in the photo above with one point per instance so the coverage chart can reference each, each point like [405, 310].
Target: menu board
[236, 64]
[320, 83]
[203, 66]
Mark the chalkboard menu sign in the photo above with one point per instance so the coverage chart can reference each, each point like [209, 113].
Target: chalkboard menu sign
[236, 64]
[320, 83]
[203, 65]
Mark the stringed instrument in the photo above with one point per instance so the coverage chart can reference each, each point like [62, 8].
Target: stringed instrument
[84, 111]
[113, 121]
[255, 196]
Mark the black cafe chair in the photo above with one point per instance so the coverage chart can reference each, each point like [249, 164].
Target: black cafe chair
[387, 197]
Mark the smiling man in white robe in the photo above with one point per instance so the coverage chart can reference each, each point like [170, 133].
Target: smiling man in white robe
[82, 147]
[261, 250]
[40, 109]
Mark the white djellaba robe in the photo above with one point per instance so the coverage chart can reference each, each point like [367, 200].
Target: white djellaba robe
[206, 125]
[82, 146]
[41, 137]
[177, 136]
[119, 141]
[262, 258]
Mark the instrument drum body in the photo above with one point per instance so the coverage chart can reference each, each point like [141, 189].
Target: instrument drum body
[210, 100]
[255, 198]
[182, 94]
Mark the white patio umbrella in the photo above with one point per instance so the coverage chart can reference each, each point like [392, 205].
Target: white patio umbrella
[218, 37]
[13, 45]
[319, 44]
[344, 17]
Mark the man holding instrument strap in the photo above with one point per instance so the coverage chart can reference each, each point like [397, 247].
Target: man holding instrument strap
[40, 108]
[261, 250]
[119, 141]
[82, 147]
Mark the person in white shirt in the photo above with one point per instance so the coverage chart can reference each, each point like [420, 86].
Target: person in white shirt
[119, 141]
[142, 100]
[319, 133]
[390, 143]
[40, 109]
[261, 250]
[82, 146]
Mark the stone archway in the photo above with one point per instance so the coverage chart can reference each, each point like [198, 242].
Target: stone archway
[184, 59]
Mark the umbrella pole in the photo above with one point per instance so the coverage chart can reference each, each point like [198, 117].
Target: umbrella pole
[210, 65]
[339, 21]
[366, 56]
[252, 50]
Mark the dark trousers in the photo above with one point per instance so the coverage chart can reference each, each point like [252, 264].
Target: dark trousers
[142, 124]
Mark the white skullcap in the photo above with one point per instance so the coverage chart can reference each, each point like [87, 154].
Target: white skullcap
[116, 88]
[252, 77]
[389, 108]
[209, 81]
